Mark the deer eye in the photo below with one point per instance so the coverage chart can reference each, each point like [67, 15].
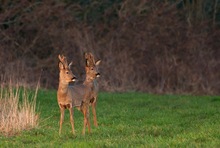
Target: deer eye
[67, 72]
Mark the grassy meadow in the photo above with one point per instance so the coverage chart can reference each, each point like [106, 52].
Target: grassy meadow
[128, 120]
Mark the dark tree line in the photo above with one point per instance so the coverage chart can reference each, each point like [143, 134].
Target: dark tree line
[162, 46]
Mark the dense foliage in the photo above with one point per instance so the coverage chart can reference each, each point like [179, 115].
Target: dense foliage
[155, 46]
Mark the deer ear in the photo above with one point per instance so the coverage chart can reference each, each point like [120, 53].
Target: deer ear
[61, 66]
[97, 62]
[86, 55]
[87, 62]
[70, 64]
[60, 57]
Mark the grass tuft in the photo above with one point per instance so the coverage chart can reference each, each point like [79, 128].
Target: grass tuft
[17, 110]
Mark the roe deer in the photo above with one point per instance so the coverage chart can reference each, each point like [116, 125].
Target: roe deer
[86, 93]
[89, 57]
[64, 96]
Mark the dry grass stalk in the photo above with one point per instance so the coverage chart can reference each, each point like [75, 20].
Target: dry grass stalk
[17, 110]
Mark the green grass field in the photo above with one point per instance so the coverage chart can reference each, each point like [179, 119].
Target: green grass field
[128, 120]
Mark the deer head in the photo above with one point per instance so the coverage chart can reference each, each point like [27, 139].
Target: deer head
[91, 66]
[66, 74]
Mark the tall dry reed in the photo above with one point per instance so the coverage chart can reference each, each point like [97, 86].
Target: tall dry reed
[17, 110]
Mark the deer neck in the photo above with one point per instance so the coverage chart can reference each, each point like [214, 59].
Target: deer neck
[63, 88]
[95, 83]
[88, 82]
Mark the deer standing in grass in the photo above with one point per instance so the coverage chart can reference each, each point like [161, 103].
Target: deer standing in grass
[89, 58]
[80, 96]
[64, 95]
[85, 94]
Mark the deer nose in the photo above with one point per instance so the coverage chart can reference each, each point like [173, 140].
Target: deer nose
[74, 79]
[98, 75]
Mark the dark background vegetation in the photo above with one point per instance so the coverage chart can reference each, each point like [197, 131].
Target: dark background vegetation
[157, 46]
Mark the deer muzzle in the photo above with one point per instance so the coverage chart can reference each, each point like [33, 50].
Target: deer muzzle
[98, 75]
[73, 79]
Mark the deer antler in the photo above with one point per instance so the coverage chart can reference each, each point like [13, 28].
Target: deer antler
[63, 60]
[90, 61]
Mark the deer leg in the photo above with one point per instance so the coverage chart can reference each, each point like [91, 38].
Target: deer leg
[72, 120]
[88, 122]
[94, 114]
[61, 119]
[85, 120]
[85, 111]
